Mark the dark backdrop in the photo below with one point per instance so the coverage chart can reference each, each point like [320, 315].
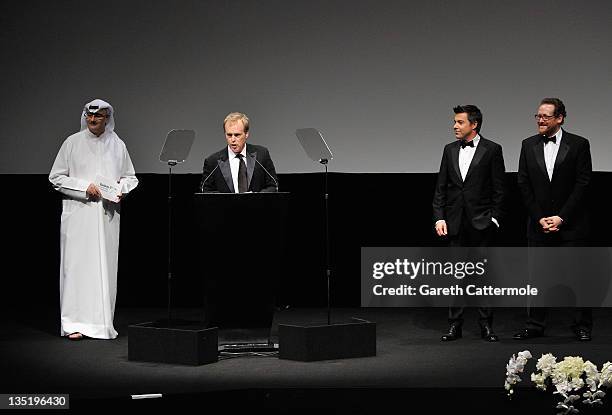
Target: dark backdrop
[364, 209]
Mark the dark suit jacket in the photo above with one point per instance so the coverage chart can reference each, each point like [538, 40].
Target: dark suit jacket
[479, 197]
[221, 178]
[565, 195]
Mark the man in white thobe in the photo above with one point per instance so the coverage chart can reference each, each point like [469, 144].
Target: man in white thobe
[89, 233]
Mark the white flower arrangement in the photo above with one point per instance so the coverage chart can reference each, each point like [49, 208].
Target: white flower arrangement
[568, 377]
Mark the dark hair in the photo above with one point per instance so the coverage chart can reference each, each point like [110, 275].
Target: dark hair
[474, 114]
[559, 106]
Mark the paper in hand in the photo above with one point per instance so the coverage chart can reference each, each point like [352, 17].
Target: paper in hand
[109, 188]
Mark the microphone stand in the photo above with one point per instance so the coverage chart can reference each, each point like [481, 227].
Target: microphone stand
[268, 173]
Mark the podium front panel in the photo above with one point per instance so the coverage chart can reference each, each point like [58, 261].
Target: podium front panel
[241, 242]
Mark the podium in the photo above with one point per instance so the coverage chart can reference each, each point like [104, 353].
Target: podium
[241, 241]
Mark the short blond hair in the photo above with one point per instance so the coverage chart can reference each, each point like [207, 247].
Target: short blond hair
[237, 116]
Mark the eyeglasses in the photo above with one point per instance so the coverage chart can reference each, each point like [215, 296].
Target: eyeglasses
[544, 117]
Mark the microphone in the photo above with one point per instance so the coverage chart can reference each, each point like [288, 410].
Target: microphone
[266, 170]
[209, 174]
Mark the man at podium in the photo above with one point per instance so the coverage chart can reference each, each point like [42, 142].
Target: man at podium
[241, 295]
[239, 167]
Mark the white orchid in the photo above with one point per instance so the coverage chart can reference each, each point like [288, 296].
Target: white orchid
[515, 365]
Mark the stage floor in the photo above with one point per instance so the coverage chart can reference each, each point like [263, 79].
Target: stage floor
[411, 363]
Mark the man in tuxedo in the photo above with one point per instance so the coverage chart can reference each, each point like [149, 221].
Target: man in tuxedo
[553, 176]
[239, 167]
[467, 203]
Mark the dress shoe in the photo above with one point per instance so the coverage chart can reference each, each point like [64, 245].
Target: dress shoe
[487, 333]
[527, 334]
[583, 335]
[454, 333]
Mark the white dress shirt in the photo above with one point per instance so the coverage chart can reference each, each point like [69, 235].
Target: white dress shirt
[235, 164]
[550, 153]
[466, 155]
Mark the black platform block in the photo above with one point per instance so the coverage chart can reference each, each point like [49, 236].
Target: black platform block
[183, 342]
[325, 342]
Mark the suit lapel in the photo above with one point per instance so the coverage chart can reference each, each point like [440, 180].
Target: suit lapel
[561, 154]
[454, 155]
[224, 166]
[251, 157]
[538, 152]
[481, 149]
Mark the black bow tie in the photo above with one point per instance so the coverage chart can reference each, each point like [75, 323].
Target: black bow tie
[465, 144]
[547, 139]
